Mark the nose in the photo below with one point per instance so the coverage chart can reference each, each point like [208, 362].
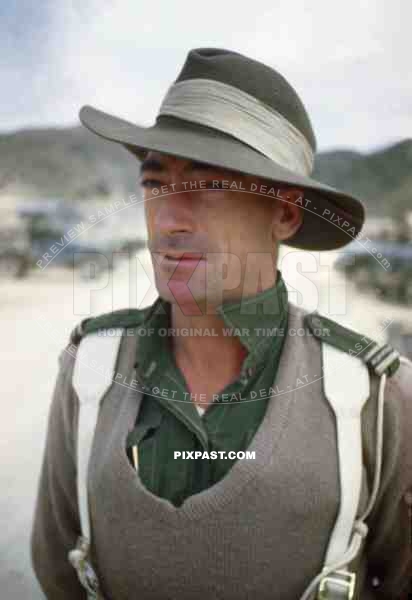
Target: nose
[175, 214]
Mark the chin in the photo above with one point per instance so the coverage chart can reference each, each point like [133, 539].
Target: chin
[193, 298]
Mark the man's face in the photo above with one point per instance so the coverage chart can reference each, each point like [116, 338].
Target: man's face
[210, 237]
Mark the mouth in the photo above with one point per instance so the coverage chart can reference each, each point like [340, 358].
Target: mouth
[184, 255]
[186, 259]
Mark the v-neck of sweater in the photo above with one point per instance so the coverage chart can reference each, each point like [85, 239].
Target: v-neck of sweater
[123, 410]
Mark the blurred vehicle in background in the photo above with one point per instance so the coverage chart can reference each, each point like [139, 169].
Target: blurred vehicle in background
[381, 266]
[14, 245]
[44, 224]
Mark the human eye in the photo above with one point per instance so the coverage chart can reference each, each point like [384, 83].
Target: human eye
[150, 183]
[214, 185]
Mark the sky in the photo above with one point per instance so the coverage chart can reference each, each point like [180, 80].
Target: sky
[349, 61]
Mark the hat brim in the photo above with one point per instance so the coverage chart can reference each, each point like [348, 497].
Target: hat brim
[331, 218]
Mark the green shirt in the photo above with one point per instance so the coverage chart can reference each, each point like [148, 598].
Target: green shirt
[168, 420]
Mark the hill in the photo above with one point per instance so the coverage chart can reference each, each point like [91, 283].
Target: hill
[73, 163]
[383, 179]
[69, 163]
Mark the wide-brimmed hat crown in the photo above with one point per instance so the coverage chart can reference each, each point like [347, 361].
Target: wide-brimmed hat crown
[237, 113]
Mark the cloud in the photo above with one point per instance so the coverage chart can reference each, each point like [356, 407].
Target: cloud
[349, 62]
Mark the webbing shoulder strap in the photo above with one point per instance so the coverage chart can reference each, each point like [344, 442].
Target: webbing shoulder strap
[346, 387]
[92, 376]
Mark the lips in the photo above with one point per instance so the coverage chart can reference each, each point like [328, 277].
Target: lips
[183, 255]
[183, 259]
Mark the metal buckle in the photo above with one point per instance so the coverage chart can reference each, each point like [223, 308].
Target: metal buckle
[79, 558]
[89, 580]
[339, 585]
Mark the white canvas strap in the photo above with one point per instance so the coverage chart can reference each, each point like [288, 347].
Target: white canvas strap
[92, 376]
[346, 386]
[233, 111]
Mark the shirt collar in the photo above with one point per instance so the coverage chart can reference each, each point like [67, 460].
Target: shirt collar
[256, 320]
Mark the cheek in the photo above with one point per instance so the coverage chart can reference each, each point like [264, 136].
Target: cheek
[251, 212]
[150, 215]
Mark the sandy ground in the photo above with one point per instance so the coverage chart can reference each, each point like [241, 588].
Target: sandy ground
[36, 317]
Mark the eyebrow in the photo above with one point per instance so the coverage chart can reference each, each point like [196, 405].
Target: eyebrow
[154, 164]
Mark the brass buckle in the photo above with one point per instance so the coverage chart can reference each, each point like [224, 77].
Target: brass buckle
[340, 585]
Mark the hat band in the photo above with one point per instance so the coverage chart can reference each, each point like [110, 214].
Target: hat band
[233, 111]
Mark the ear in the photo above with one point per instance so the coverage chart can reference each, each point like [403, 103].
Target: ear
[288, 215]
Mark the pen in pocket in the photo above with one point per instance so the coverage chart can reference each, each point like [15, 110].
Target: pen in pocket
[135, 457]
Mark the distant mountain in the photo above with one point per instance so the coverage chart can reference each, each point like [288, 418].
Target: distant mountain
[382, 179]
[69, 163]
[75, 164]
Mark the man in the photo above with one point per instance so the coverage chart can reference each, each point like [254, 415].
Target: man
[225, 176]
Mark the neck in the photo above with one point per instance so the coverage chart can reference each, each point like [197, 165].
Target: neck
[202, 354]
